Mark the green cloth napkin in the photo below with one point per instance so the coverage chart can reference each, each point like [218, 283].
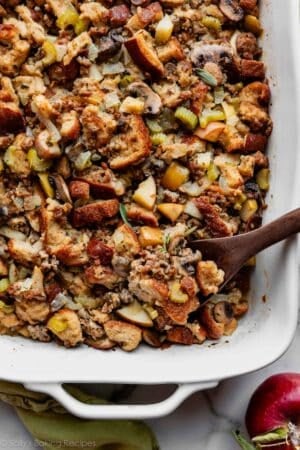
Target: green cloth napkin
[54, 428]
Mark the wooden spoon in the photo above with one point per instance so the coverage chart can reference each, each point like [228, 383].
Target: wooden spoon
[231, 253]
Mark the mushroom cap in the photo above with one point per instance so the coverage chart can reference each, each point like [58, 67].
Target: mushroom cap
[153, 101]
[232, 10]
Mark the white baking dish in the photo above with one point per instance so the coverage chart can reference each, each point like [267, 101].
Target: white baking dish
[263, 335]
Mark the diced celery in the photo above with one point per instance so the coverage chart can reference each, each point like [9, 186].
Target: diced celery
[211, 116]
[213, 172]
[153, 126]
[158, 138]
[68, 18]
[36, 163]
[47, 188]
[4, 284]
[81, 26]
[125, 81]
[219, 95]
[50, 53]
[83, 161]
[212, 23]
[186, 117]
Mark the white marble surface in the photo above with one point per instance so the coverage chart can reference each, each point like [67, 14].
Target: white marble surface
[203, 422]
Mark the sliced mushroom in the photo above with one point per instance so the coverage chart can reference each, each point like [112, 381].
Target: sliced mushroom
[232, 10]
[62, 191]
[45, 148]
[223, 312]
[153, 102]
[219, 53]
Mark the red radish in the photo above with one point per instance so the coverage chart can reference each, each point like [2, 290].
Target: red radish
[273, 415]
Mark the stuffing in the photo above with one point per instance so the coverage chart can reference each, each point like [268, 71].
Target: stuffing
[216, 226]
[180, 335]
[98, 127]
[95, 213]
[103, 275]
[94, 12]
[128, 336]
[14, 51]
[9, 323]
[65, 325]
[70, 126]
[255, 117]
[127, 130]
[30, 288]
[68, 246]
[32, 311]
[130, 147]
[24, 252]
[141, 215]
[209, 277]
[76, 47]
[34, 29]
[148, 290]
[125, 241]
[28, 86]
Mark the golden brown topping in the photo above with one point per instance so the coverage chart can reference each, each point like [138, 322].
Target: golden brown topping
[180, 335]
[128, 336]
[95, 213]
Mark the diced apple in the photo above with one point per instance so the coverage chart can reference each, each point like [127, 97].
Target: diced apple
[175, 176]
[212, 132]
[150, 236]
[136, 314]
[145, 195]
[171, 210]
[143, 53]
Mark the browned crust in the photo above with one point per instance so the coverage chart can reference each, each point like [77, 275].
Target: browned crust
[180, 335]
[252, 69]
[137, 143]
[11, 118]
[95, 213]
[143, 54]
[179, 313]
[138, 214]
[79, 189]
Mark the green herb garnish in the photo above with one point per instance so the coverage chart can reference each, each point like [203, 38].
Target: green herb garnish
[123, 214]
[207, 77]
[166, 242]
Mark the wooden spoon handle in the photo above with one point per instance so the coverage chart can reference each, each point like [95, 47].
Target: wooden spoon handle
[274, 232]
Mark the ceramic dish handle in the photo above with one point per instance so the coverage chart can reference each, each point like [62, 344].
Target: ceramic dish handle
[113, 411]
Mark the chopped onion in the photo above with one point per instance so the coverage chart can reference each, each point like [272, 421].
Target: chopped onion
[95, 73]
[88, 302]
[111, 100]
[233, 41]
[192, 189]
[112, 69]
[83, 161]
[192, 210]
[12, 234]
[62, 300]
[93, 52]
[203, 160]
